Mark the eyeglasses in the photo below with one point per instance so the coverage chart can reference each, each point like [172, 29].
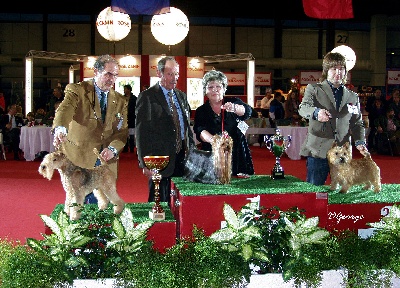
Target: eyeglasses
[110, 75]
[217, 87]
[338, 68]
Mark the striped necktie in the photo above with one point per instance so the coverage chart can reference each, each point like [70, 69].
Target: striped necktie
[175, 117]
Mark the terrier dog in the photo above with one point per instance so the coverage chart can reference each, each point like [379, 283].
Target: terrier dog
[347, 172]
[211, 167]
[79, 182]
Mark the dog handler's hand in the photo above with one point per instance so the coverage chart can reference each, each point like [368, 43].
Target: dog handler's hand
[106, 154]
[363, 149]
[324, 115]
[147, 172]
[59, 138]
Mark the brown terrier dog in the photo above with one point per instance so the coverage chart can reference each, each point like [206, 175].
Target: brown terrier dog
[346, 172]
[79, 182]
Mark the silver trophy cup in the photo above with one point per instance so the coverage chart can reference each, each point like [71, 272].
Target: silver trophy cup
[277, 144]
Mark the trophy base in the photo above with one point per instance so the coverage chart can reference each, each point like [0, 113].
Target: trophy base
[277, 175]
[277, 172]
[157, 216]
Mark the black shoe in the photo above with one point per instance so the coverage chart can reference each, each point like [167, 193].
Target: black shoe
[16, 158]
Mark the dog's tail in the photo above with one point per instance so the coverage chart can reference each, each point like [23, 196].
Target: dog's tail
[95, 151]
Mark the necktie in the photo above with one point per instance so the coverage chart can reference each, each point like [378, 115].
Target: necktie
[175, 117]
[103, 105]
[12, 121]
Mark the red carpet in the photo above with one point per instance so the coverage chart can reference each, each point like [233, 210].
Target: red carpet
[26, 194]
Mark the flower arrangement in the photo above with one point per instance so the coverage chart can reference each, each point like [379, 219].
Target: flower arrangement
[255, 240]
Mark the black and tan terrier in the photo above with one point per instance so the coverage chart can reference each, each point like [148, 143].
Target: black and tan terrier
[79, 182]
[211, 167]
[346, 172]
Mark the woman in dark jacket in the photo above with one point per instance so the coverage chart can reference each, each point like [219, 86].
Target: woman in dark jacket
[219, 114]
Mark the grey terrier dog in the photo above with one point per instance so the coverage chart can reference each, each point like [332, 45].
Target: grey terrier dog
[79, 182]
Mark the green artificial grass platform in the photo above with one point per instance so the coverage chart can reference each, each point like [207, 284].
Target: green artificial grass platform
[263, 184]
[140, 211]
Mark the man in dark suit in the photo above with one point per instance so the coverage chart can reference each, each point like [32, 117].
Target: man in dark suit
[130, 144]
[156, 130]
[11, 126]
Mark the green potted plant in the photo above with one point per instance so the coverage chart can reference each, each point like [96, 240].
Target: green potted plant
[21, 267]
[254, 243]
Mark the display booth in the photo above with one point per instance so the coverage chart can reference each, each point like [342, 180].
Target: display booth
[393, 81]
[129, 73]
[262, 82]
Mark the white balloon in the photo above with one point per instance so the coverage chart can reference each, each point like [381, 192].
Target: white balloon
[113, 26]
[170, 28]
[348, 53]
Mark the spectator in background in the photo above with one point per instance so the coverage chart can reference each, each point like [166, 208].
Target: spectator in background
[130, 144]
[11, 125]
[48, 119]
[375, 111]
[58, 96]
[395, 104]
[389, 98]
[389, 124]
[19, 113]
[265, 103]
[40, 115]
[371, 100]
[2, 103]
[276, 109]
[30, 117]
[292, 105]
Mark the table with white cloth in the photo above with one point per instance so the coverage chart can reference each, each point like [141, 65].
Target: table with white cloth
[298, 135]
[34, 140]
[253, 133]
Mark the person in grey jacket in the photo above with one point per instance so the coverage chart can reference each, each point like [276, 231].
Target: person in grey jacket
[334, 114]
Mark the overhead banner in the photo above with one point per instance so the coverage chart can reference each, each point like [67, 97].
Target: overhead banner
[129, 66]
[195, 67]
[236, 79]
[393, 77]
[310, 77]
[262, 79]
[153, 61]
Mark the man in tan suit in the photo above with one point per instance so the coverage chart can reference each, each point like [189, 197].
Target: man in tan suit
[79, 125]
